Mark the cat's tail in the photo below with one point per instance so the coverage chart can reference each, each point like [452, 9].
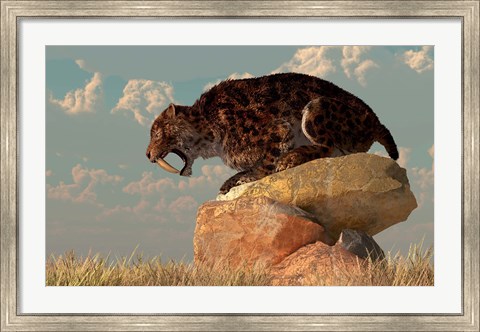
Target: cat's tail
[384, 137]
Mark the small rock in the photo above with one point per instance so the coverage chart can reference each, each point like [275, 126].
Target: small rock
[249, 232]
[360, 244]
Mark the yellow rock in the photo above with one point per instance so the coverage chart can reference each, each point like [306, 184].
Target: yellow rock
[360, 191]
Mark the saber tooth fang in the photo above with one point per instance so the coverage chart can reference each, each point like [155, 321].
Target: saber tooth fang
[166, 166]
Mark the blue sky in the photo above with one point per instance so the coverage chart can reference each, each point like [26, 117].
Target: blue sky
[103, 195]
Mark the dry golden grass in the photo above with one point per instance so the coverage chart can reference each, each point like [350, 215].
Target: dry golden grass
[69, 270]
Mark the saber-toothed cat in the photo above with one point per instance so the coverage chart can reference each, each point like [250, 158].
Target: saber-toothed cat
[264, 125]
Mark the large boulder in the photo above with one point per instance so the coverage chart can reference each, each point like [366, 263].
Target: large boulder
[361, 191]
[248, 232]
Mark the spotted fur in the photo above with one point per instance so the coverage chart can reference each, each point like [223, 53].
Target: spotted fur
[263, 125]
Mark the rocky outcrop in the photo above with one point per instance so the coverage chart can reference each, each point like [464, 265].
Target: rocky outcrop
[360, 191]
[251, 232]
[306, 224]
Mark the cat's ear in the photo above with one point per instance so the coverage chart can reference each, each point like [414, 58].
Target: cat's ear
[170, 111]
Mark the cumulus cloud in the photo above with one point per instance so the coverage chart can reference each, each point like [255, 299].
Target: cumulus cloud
[323, 61]
[212, 177]
[142, 211]
[423, 180]
[159, 208]
[424, 176]
[82, 100]
[165, 199]
[163, 209]
[159, 199]
[141, 206]
[361, 70]
[182, 204]
[351, 57]
[420, 61]
[145, 99]
[215, 172]
[161, 205]
[315, 60]
[431, 152]
[234, 76]
[82, 189]
[82, 64]
[403, 156]
[148, 185]
[353, 64]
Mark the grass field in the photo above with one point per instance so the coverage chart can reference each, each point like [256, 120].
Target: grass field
[415, 269]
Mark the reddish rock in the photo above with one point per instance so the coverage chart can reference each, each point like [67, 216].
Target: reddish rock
[313, 264]
[248, 232]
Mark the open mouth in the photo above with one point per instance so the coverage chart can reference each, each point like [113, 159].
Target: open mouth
[169, 168]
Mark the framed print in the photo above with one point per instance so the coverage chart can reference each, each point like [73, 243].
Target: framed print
[316, 123]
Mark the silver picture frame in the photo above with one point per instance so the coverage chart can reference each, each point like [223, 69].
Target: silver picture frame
[12, 13]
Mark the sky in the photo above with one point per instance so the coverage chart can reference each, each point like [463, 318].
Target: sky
[104, 196]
